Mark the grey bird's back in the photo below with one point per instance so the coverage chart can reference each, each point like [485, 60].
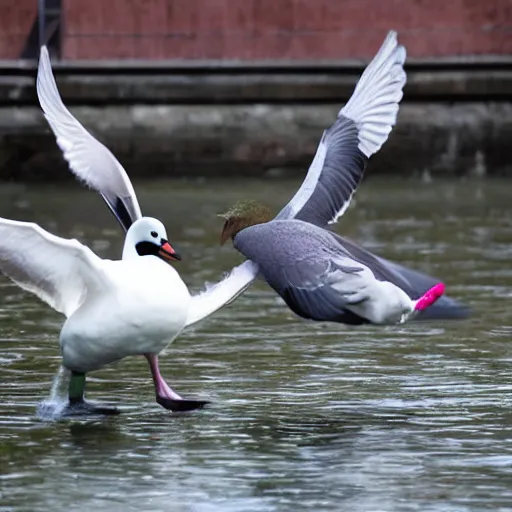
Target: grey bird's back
[307, 265]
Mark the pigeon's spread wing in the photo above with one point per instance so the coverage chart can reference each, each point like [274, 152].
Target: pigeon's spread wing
[363, 125]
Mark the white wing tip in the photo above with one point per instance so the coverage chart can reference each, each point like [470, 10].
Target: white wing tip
[401, 54]
[374, 104]
[392, 35]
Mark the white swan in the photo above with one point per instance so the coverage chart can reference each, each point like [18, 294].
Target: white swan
[95, 165]
[114, 309]
[133, 306]
[136, 305]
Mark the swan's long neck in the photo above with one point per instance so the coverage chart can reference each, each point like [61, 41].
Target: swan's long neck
[129, 250]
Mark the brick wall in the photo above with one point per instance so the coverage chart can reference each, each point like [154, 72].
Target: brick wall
[265, 29]
[16, 19]
[282, 29]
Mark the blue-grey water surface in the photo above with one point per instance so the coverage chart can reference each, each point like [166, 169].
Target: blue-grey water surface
[304, 416]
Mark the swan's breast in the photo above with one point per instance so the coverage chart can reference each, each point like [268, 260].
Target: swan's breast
[143, 308]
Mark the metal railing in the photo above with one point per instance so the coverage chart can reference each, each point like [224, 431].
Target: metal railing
[45, 30]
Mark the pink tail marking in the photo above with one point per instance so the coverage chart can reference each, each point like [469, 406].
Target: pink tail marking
[429, 297]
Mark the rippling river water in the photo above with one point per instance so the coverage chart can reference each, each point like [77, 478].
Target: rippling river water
[304, 416]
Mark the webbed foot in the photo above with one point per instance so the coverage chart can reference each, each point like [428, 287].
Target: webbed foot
[77, 408]
[180, 404]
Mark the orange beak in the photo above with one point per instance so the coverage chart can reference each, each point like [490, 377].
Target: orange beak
[166, 252]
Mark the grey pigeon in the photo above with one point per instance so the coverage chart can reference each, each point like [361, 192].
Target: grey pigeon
[320, 275]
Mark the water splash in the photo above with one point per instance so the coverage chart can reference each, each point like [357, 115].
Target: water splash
[51, 408]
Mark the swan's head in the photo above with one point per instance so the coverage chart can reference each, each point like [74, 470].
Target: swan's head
[242, 215]
[147, 236]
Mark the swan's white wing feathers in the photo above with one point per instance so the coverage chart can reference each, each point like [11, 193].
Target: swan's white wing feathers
[222, 293]
[61, 272]
[88, 158]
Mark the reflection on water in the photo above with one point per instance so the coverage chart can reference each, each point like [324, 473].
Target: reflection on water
[305, 416]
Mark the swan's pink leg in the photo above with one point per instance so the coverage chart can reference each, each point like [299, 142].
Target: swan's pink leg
[162, 389]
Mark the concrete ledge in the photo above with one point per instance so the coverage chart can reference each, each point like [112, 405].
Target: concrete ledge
[264, 82]
[191, 118]
[485, 61]
[211, 140]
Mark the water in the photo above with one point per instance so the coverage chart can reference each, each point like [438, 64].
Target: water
[305, 416]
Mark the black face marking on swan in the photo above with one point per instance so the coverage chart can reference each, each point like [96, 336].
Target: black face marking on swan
[147, 249]
[163, 250]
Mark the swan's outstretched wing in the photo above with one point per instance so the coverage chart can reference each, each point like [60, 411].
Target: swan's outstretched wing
[60, 272]
[88, 158]
[222, 293]
[361, 128]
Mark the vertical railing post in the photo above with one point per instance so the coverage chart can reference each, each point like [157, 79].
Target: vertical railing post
[42, 21]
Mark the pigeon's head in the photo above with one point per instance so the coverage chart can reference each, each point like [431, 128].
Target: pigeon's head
[242, 215]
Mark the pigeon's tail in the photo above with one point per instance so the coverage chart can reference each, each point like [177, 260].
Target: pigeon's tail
[429, 297]
[445, 308]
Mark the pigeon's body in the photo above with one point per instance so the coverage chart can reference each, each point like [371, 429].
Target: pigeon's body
[320, 275]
